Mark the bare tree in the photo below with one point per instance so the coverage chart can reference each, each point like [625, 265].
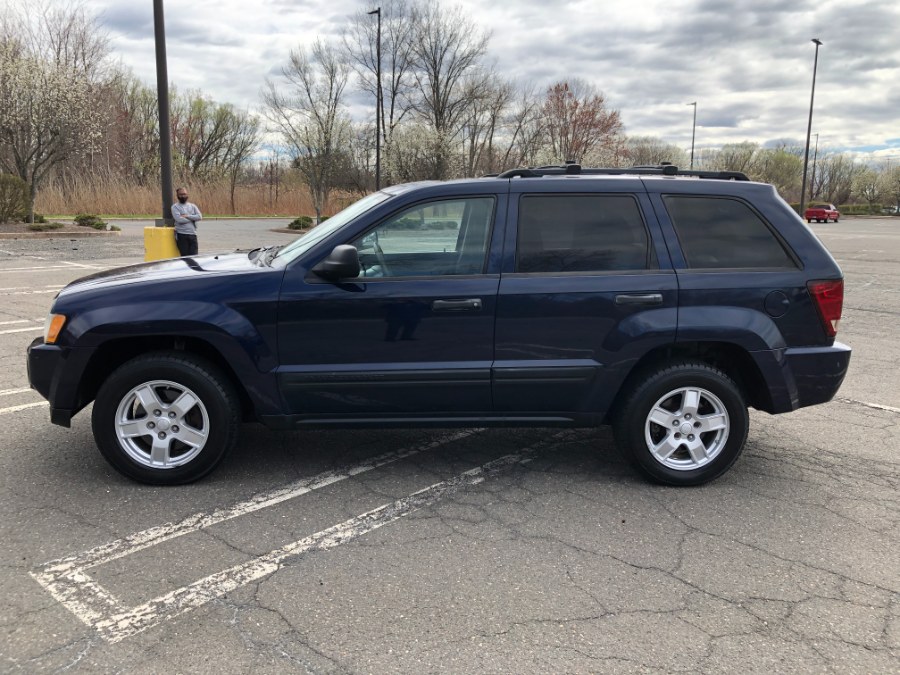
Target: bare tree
[310, 116]
[578, 121]
[242, 140]
[650, 150]
[49, 64]
[523, 130]
[398, 19]
[835, 176]
[489, 100]
[734, 157]
[448, 49]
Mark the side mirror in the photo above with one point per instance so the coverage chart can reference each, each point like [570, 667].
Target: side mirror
[341, 263]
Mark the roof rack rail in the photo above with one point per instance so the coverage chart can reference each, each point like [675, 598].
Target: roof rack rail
[660, 170]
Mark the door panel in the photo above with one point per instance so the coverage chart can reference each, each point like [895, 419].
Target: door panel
[413, 335]
[574, 313]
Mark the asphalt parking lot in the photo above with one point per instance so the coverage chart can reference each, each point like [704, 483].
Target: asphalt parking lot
[454, 550]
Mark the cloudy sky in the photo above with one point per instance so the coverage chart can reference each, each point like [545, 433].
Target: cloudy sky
[749, 69]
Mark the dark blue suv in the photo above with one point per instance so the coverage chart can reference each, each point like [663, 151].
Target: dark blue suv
[663, 302]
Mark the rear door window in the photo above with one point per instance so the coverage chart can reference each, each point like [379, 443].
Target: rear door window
[720, 232]
[581, 233]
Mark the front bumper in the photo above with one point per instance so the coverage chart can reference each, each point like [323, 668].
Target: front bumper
[46, 368]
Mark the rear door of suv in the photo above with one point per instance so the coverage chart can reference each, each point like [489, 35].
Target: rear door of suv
[586, 289]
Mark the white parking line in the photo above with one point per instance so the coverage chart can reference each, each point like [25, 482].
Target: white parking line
[877, 406]
[64, 265]
[25, 406]
[21, 330]
[9, 323]
[29, 288]
[98, 608]
[10, 392]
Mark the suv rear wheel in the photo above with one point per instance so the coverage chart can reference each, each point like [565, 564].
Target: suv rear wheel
[683, 424]
[166, 418]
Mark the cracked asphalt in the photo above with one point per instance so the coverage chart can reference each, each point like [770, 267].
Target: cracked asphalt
[563, 561]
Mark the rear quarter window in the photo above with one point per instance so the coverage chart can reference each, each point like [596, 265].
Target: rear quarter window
[581, 233]
[721, 232]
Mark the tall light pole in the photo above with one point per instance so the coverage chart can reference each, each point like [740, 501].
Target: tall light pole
[377, 12]
[162, 94]
[693, 133]
[812, 180]
[812, 98]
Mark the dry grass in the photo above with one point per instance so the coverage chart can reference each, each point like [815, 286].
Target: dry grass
[115, 197]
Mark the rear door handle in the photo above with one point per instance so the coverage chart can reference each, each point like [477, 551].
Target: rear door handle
[467, 304]
[640, 299]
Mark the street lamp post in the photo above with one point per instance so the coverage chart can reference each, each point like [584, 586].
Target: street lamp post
[162, 93]
[693, 133]
[812, 98]
[378, 106]
[812, 179]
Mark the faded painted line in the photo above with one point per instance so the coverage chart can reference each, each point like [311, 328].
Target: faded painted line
[17, 408]
[82, 265]
[157, 535]
[16, 254]
[9, 323]
[32, 329]
[30, 288]
[122, 624]
[49, 290]
[876, 406]
[10, 392]
[35, 269]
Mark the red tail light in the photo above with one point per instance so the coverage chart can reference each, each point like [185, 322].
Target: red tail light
[829, 297]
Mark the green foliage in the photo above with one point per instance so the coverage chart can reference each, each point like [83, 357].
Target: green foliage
[88, 220]
[13, 198]
[38, 218]
[301, 223]
[43, 226]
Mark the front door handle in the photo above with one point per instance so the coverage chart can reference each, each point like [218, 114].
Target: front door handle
[467, 304]
[640, 299]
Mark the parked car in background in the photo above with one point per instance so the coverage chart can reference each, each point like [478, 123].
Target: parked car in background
[662, 302]
[821, 213]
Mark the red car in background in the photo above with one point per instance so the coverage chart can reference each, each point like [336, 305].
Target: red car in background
[821, 213]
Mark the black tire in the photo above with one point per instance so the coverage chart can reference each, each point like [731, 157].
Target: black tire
[189, 442]
[669, 386]
[809, 220]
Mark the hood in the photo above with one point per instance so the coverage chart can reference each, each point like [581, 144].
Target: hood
[161, 270]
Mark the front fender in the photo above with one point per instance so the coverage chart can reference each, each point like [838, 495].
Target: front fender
[248, 348]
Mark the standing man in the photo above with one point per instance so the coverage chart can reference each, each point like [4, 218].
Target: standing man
[186, 216]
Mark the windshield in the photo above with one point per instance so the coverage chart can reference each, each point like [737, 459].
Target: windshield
[300, 246]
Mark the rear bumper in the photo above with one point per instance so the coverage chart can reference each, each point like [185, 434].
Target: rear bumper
[818, 372]
[803, 376]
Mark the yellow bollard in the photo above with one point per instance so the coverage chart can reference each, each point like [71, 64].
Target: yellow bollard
[159, 243]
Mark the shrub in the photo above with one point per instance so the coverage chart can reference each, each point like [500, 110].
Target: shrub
[43, 226]
[38, 218]
[88, 220]
[13, 198]
[301, 223]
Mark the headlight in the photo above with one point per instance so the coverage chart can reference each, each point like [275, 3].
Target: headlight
[52, 327]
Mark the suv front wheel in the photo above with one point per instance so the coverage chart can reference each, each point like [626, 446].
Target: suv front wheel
[166, 418]
[683, 424]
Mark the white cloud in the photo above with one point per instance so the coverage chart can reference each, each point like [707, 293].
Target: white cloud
[748, 67]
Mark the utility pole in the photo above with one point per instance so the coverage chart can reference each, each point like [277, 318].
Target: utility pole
[693, 133]
[812, 98]
[378, 104]
[812, 180]
[162, 93]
